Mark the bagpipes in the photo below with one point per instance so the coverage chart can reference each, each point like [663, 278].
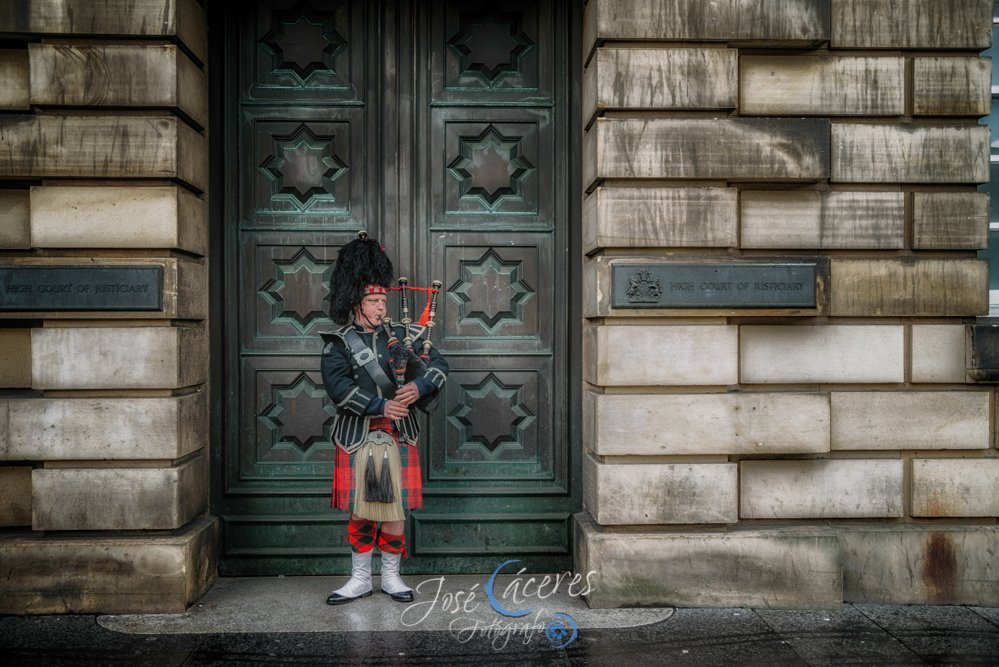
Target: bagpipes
[403, 354]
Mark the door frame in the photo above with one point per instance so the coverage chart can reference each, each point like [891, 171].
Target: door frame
[224, 210]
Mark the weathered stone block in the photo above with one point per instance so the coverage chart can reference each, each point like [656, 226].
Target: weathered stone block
[920, 564]
[183, 19]
[633, 355]
[786, 21]
[779, 568]
[119, 498]
[813, 219]
[667, 79]
[938, 353]
[955, 487]
[908, 286]
[103, 147]
[15, 358]
[826, 489]
[111, 575]
[122, 358]
[867, 153]
[950, 220]
[185, 289]
[912, 24]
[118, 217]
[826, 353]
[952, 86]
[118, 75]
[781, 149]
[14, 80]
[910, 420]
[821, 85]
[679, 424]
[660, 493]
[660, 218]
[14, 219]
[15, 496]
[54, 429]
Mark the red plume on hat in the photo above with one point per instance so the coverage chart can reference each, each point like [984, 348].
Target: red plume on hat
[361, 268]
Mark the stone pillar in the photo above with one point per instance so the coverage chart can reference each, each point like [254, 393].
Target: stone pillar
[762, 454]
[103, 409]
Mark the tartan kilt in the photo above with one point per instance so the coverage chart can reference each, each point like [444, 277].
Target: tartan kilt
[411, 482]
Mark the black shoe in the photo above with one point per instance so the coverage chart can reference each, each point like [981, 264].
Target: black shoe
[336, 598]
[405, 596]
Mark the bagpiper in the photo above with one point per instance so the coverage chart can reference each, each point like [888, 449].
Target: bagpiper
[376, 383]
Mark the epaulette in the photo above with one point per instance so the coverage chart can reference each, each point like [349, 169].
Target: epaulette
[329, 336]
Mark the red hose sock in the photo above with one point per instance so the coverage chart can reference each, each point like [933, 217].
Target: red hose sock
[361, 535]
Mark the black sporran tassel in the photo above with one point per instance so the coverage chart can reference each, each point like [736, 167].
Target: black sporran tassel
[385, 493]
[371, 491]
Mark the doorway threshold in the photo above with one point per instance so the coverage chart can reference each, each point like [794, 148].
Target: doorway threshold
[448, 603]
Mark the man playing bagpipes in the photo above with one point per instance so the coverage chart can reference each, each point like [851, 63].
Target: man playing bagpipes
[376, 375]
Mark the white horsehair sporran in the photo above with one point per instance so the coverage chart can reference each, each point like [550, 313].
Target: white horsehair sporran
[377, 489]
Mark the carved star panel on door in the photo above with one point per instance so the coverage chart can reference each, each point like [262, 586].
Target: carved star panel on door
[305, 173]
[494, 52]
[285, 289]
[287, 421]
[497, 421]
[304, 50]
[493, 169]
[493, 296]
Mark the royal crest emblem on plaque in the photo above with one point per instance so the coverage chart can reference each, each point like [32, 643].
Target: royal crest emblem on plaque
[643, 287]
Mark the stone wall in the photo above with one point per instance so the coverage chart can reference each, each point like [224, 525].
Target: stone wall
[104, 413]
[788, 457]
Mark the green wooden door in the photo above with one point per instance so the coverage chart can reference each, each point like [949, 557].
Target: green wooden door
[442, 129]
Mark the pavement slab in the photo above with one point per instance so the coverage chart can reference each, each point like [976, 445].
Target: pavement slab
[939, 634]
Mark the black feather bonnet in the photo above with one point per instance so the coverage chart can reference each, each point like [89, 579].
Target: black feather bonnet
[360, 263]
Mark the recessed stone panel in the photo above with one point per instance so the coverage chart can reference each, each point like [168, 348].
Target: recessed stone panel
[118, 75]
[824, 354]
[660, 218]
[53, 429]
[667, 79]
[14, 80]
[910, 420]
[952, 86]
[784, 568]
[911, 24]
[939, 353]
[955, 487]
[118, 217]
[15, 358]
[936, 564]
[15, 496]
[15, 219]
[774, 149]
[821, 86]
[160, 147]
[795, 219]
[119, 498]
[950, 220]
[825, 489]
[660, 493]
[119, 358]
[908, 287]
[784, 21]
[868, 153]
[674, 355]
[682, 424]
[118, 574]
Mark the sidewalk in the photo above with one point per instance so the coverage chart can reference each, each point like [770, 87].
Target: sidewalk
[285, 621]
